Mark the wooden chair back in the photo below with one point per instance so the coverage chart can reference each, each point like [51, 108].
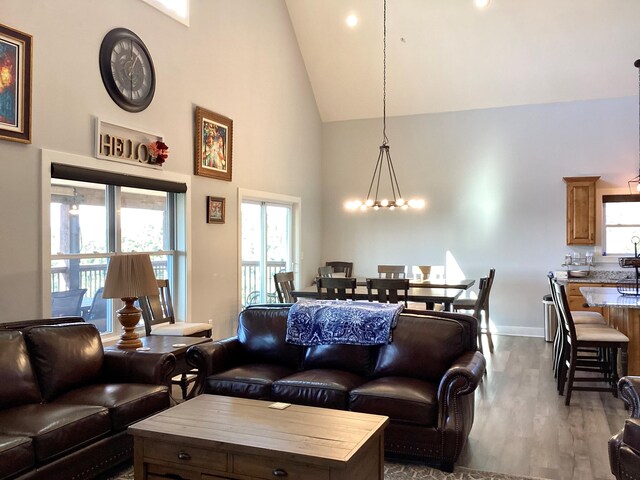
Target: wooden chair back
[157, 308]
[67, 303]
[284, 287]
[325, 271]
[336, 288]
[341, 267]
[388, 290]
[391, 271]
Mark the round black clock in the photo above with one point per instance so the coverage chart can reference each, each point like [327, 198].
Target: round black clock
[127, 70]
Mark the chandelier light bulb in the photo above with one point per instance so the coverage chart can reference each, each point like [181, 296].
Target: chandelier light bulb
[384, 203]
[405, 207]
[363, 207]
[376, 207]
[400, 202]
[369, 203]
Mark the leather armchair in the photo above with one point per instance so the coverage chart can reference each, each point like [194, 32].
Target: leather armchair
[624, 447]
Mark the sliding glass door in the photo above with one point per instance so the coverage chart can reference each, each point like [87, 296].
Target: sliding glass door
[266, 248]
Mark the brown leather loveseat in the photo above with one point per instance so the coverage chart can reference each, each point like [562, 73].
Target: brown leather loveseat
[424, 380]
[65, 404]
[624, 447]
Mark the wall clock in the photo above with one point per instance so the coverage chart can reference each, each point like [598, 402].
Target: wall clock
[127, 70]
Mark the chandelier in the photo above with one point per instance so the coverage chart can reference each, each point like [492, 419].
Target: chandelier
[373, 199]
[636, 180]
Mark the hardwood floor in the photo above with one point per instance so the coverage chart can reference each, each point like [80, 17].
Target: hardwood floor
[522, 426]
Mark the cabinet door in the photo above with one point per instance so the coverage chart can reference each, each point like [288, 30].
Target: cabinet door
[581, 210]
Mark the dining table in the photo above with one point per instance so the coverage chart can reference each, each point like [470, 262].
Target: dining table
[426, 295]
[622, 311]
[456, 283]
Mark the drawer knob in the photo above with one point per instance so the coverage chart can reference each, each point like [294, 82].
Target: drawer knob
[183, 456]
[279, 472]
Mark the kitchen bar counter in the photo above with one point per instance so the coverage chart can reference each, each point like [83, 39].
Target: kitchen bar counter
[600, 276]
[621, 312]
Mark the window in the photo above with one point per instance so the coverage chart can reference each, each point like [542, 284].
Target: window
[269, 244]
[621, 218]
[176, 9]
[91, 221]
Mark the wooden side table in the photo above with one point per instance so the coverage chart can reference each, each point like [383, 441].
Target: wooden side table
[176, 345]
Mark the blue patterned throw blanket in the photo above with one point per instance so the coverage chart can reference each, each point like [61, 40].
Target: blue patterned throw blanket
[323, 322]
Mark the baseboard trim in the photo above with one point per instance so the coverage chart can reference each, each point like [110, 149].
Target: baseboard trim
[517, 331]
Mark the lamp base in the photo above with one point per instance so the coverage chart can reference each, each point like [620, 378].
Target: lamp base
[129, 316]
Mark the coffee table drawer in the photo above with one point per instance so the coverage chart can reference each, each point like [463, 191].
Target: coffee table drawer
[269, 468]
[186, 455]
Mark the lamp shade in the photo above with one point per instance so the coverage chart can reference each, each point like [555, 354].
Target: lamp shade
[130, 276]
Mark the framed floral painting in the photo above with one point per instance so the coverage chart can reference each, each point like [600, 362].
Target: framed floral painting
[214, 142]
[215, 209]
[15, 85]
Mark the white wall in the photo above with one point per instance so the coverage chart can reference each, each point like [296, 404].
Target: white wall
[493, 183]
[239, 58]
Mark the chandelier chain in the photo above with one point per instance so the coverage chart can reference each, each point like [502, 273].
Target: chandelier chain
[385, 140]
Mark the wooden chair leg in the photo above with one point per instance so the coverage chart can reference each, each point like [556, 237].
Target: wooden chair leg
[572, 373]
[487, 329]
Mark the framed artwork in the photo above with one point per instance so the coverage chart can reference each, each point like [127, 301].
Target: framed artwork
[15, 85]
[215, 209]
[214, 145]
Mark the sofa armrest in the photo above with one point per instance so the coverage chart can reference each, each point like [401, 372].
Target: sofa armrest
[462, 378]
[629, 388]
[212, 357]
[127, 366]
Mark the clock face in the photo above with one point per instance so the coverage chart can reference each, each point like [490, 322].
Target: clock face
[127, 70]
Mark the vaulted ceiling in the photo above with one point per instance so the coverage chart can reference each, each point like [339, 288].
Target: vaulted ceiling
[448, 55]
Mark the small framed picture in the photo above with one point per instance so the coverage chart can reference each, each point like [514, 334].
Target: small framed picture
[214, 145]
[215, 209]
[15, 85]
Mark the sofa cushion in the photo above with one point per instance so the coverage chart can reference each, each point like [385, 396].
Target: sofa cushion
[127, 402]
[247, 381]
[350, 358]
[17, 380]
[65, 356]
[401, 399]
[422, 347]
[56, 429]
[317, 388]
[16, 455]
[262, 332]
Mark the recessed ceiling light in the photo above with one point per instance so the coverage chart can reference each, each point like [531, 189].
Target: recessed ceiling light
[481, 3]
[352, 20]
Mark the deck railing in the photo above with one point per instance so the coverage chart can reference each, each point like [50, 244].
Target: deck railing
[92, 278]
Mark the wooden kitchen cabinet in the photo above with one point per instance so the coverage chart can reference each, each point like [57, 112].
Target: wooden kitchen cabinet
[581, 210]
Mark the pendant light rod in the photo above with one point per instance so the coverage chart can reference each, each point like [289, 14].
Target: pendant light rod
[636, 179]
[384, 155]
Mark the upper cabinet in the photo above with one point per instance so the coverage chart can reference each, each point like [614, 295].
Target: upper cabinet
[581, 210]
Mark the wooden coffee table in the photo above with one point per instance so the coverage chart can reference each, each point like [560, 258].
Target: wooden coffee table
[215, 437]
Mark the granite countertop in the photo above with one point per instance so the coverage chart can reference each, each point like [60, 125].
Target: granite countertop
[609, 297]
[602, 276]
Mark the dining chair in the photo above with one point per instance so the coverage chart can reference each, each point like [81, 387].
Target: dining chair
[326, 271]
[391, 271]
[480, 308]
[387, 290]
[159, 319]
[67, 303]
[602, 369]
[336, 288]
[284, 287]
[341, 267]
[579, 318]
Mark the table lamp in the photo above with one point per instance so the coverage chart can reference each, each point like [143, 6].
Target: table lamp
[129, 276]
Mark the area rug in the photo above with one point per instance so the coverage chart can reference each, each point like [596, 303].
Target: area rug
[404, 471]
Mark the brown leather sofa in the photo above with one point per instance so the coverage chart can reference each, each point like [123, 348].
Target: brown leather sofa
[424, 380]
[624, 447]
[65, 404]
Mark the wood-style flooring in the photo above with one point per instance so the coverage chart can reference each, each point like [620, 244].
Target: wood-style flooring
[522, 426]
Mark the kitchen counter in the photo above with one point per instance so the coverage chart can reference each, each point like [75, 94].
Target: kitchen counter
[600, 276]
[621, 312]
[609, 297]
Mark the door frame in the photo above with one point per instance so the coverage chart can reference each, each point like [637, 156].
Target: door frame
[245, 194]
